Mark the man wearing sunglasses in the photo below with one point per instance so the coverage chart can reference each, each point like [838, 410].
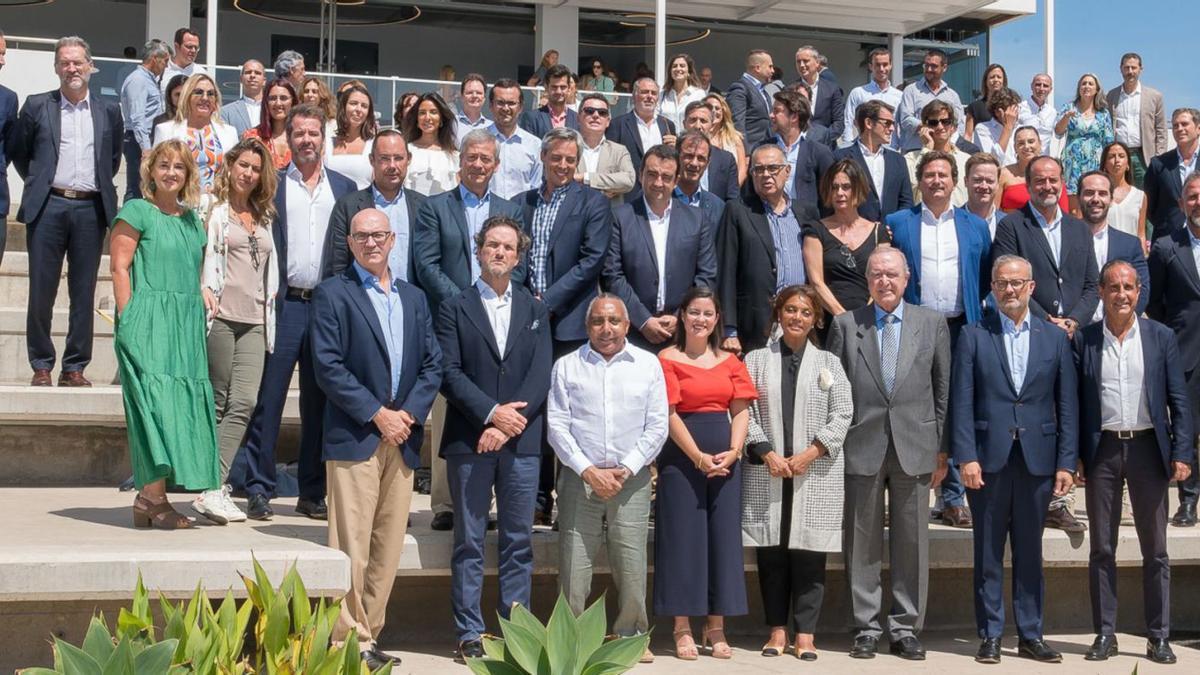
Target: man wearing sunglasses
[890, 187]
[604, 165]
[938, 124]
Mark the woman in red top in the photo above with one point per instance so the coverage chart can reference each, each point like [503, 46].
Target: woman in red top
[698, 567]
[1013, 194]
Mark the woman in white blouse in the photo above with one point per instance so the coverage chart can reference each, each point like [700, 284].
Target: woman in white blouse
[682, 90]
[429, 129]
[348, 150]
[1128, 210]
[198, 124]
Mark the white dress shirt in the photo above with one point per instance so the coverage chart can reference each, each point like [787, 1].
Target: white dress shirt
[591, 158]
[941, 284]
[1100, 247]
[991, 221]
[859, 95]
[875, 166]
[1122, 396]
[307, 223]
[658, 232]
[607, 413]
[1053, 232]
[498, 309]
[1040, 117]
[253, 110]
[649, 133]
[988, 136]
[1186, 166]
[1127, 117]
[76, 167]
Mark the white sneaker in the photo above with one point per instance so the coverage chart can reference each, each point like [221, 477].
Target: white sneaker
[210, 504]
[232, 511]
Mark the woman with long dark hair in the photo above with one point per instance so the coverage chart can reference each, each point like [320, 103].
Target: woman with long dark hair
[429, 130]
[348, 149]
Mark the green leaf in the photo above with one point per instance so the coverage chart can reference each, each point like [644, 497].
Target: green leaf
[562, 638]
[98, 642]
[120, 662]
[625, 651]
[301, 607]
[278, 625]
[605, 668]
[75, 661]
[156, 659]
[264, 585]
[489, 667]
[521, 616]
[495, 649]
[141, 602]
[385, 670]
[591, 626]
[523, 645]
[38, 671]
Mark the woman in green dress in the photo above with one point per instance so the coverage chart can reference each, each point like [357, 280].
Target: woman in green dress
[157, 250]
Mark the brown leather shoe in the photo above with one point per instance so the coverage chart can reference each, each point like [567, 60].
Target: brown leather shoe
[73, 378]
[1063, 519]
[957, 516]
[41, 378]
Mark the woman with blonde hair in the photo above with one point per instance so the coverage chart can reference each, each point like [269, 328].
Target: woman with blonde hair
[156, 252]
[725, 135]
[241, 279]
[198, 124]
[549, 60]
[1086, 126]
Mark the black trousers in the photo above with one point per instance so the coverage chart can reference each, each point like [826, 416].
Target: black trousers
[1138, 462]
[548, 475]
[72, 229]
[133, 165]
[792, 581]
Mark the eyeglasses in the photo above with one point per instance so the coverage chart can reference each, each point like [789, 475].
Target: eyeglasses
[204, 93]
[768, 169]
[602, 112]
[377, 237]
[940, 122]
[1015, 284]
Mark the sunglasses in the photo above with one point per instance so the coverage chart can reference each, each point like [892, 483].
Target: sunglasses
[602, 112]
[940, 122]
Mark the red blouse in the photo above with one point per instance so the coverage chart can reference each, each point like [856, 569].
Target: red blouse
[1016, 196]
[696, 389]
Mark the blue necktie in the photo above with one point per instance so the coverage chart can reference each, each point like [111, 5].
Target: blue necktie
[890, 351]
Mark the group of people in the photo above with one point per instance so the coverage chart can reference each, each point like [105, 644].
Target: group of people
[703, 314]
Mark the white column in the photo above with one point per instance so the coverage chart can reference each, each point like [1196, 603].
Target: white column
[1049, 9]
[210, 36]
[896, 47]
[557, 28]
[660, 42]
[164, 17]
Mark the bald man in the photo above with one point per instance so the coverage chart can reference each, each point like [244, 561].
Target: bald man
[244, 112]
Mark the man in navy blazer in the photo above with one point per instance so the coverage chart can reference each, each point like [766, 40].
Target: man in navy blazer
[555, 113]
[722, 170]
[389, 166]
[659, 249]
[378, 363]
[829, 105]
[694, 148]
[8, 123]
[1163, 183]
[306, 185]
[1136, 426]
[1057, 245]
[642, 128]
[495, 338]
[1175, 301]
[748, 100]
[1095, 199]
[808, 159]
[875, 123]
[1015, 440]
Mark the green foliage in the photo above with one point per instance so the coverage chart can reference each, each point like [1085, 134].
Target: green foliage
[290, 637]
[566, 645]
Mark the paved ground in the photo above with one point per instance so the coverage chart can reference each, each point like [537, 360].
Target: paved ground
[946, 652]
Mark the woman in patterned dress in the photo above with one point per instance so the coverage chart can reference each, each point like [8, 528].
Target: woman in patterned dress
[1087, 125]
[198, 124]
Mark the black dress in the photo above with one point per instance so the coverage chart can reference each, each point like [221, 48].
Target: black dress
[846, 268]
[979, 112]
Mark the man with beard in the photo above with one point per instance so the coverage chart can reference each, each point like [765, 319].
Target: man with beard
[520, 164]
[555, 114]
[1095, 198]
[694, 148]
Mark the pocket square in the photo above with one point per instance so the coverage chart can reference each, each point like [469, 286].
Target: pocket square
[535, 324]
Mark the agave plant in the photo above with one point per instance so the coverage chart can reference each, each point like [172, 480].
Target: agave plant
[566, 645]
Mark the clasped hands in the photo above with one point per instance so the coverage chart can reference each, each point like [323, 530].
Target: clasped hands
[606, 483]
[790, 467]
[715, 466]
[394, 425]
[507, 423]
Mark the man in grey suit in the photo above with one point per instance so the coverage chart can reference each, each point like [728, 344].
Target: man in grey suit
[1139, 117]
[897, 357]
[605, 164]
[244, 113]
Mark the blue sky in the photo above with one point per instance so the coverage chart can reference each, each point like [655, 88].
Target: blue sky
[1092, 36]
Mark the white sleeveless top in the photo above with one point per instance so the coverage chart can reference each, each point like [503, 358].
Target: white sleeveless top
[1124, 215]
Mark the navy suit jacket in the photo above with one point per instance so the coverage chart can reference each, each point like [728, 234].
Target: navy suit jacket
[813, 159]
[751, 113]
[712, 208]
[577, 247]
[1068, 289]
[1163, 188]
[8, 124]
[897, 188]
[537, 122]
[974, 259]
[33, 149]
[722, 173]
[967, 146]
[1175, 293]
[631, 270]
[829, 108]
[476, 376]
[1163, 385]
[337, 255]
[352, 366]
[819, 133]
[624, 130]
[1125, 246]
[443, 247]
[986, 411]
[341, 187]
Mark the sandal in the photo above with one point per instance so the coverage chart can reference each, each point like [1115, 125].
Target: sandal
[804, 653]
[159, 516]
[718, 649]
[685, 650]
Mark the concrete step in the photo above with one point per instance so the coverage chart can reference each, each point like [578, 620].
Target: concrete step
[14, 283]
[14, 355]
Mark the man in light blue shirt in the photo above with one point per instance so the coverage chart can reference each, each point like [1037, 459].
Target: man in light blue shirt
[520, 167]
[396, 210]
[879, 88]
[141, 102]
[924, 90]
[472, 94]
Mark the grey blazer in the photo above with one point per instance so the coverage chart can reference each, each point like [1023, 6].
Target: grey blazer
[915, 412]
[614, 171]
[237, 116]
[1154, 124]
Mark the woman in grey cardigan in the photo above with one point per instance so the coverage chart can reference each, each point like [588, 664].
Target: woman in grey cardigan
[792, 485]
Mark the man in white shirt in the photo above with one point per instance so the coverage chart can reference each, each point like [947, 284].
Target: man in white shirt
[245, 112]
[642, 128]
[607, 419]
[472, 95]
[879, 62]
[983, 177]
[1095, 199]
[1037, 111]
[826, 99]
[520, 167]
[187, 48]
[1139, 117]
[603, 165]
